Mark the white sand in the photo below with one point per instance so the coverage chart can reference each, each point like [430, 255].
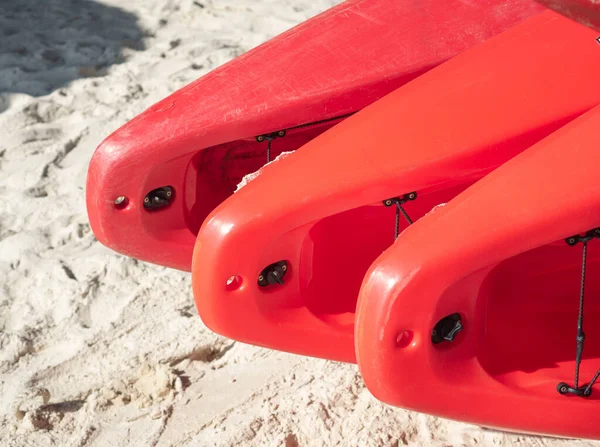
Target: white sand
[100, 350]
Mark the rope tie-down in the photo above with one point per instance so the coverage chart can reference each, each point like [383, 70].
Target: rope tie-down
[269, 137]
[399, 201]
[562, 387]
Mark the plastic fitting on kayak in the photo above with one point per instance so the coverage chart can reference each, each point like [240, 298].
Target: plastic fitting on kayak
[273, 274]
[158, 198]
[446, 329]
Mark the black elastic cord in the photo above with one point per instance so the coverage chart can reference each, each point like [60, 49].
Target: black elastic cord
[591, 384]
[580, 334]
[281, 133]
[399, 201]
[405, 214]
[397, 228]
[564, 388]
[400, 209]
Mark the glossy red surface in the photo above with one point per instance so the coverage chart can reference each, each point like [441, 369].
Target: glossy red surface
[320, 209]
[495, 254]
[201, 140]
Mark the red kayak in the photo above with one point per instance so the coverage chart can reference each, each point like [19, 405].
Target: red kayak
[152, 182]
[584, 11]
[473, 314]
[280, 263]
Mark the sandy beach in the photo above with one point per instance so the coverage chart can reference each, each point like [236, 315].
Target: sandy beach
[97, 349]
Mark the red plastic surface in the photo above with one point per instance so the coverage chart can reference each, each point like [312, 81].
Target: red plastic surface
[495, 254]
[201, 139]
[584, 11]
[320, 209]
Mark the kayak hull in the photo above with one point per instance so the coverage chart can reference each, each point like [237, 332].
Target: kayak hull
[321, 209]
[496, 255]
[200, 141]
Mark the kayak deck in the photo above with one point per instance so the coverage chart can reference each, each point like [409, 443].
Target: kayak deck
[507, 257]
[530, 317]
[201, 140]
[321, 209]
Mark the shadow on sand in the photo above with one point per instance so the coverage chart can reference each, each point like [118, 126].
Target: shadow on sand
[46, 44]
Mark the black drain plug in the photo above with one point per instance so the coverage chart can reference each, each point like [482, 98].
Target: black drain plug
[446, 329]
[158, 198]
[273, 274]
